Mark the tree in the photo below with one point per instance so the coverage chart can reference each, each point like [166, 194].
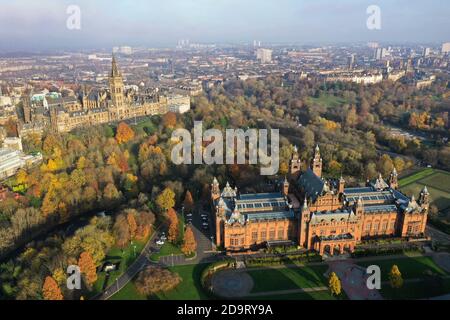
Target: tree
[51, 290]
[395, 277]
[189, 243]
[87, 266]
[132, 224]
[188, 202]
[169, 120]
[173, 225]
[166, 199]
[121, 231]
[21, 177]
[124, 133]
[334, 284]
[155, 279]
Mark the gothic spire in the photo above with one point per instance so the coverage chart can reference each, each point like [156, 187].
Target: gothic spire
[114, 69]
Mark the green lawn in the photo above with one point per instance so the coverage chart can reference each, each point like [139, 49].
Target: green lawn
[288, 278]
[416, 176]
[417, 290]
[410, 267]
[125, 257]
[327, 100]
[166, 250]
[438, 184]
[189, 289]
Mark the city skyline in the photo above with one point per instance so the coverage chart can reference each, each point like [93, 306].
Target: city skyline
[105, 24]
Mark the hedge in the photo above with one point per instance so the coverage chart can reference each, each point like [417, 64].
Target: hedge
[358, 253]
[282, 260]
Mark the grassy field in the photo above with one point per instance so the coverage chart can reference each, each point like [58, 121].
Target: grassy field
[327, 101]
[166, 250]
[125, 257]
[189, 289]
[410, 267]
[413, 268]
[288, 278]
[437, 182]
[417, 290]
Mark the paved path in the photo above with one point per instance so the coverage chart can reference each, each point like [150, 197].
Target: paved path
[290, 291]
[353, 280]
[437, 235]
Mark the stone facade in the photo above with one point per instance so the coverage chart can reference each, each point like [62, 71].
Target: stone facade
[98, 106]
[332, 218]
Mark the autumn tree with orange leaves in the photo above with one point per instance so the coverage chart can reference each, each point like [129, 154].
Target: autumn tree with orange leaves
[124, 133]
[169, 120]
[87, 267]
[173, 225]
[189, 243]
[132, 224]
[51, 290]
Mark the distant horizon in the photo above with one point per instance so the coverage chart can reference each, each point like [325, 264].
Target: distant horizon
[220, 44]
[41, 26]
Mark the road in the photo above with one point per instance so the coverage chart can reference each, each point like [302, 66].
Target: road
[437, 235]
[205, 248]
[204, 254]
[140, 263]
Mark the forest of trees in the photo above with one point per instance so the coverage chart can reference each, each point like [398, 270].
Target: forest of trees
[127, 169]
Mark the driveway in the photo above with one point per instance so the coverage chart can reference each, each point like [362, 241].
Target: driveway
[353, 280]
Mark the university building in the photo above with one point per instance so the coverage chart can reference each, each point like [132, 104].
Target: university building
[98, 106]
[316, 213]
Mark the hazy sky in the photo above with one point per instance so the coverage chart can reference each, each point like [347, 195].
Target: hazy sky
[41, 24]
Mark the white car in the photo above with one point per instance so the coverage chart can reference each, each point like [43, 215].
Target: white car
[189, 215]
[160, 242]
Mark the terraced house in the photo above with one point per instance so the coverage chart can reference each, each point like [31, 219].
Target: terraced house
[317, 213]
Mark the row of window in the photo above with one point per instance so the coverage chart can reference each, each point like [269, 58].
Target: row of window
[273, 235]
[375, 227]
[263, 236]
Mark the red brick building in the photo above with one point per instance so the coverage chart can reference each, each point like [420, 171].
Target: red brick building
[316, 213]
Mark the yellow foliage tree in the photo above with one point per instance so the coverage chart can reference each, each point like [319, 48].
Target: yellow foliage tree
[166, 199]
[334, 284]
[395, 277]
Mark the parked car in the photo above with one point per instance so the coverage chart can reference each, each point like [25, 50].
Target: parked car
[160, 242]
[205, 227]
[189, 215]
[189, 221]
[204, 215]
